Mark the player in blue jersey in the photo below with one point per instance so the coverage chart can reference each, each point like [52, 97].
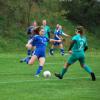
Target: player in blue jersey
[40, 50]
[58, 33]
[31, 31]
[77, 50]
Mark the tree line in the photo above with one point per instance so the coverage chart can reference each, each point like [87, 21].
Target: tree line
[84, 12]
[19, 12]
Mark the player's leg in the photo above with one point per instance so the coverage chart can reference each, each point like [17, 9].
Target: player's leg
[70, 61]
[29, 52]
[64, 70]
[61, 49]
[29, 48]
[32, 60]
[52, 50]
[41, 64]
[87, 68]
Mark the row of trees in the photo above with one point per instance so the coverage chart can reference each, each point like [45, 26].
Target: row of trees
[84, 12]
[19, 12]
[16, 11]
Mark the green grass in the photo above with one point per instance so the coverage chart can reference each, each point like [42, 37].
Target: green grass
[18, 83]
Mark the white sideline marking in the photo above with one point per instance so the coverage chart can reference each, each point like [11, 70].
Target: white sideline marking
[53, 63]
[57, 63]
[21, 81]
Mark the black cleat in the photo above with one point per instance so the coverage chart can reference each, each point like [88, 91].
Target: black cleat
[62, 54]
[51, 52]
[21, 61]
[58, 75]
[93, 76]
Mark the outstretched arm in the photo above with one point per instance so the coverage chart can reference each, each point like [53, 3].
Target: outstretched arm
[53, 40]
[65, 34]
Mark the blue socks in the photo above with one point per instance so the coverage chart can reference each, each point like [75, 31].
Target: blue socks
[87, 69]
[62, 51]
[39, 70]
[27, 59]
[29, 52]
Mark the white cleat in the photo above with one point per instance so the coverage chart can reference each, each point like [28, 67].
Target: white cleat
[37, 76]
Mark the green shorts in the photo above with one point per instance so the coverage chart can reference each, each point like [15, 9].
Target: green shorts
[76, 56]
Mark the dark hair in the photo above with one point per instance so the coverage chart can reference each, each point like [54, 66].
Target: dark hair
[37, 29]
[80, 29]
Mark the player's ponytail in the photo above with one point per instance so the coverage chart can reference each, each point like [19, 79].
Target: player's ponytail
[37, 29]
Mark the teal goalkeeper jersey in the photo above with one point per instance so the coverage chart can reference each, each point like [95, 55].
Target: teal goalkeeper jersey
[46, 29]
[80, 43]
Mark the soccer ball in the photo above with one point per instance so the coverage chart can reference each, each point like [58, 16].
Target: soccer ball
[47, 74]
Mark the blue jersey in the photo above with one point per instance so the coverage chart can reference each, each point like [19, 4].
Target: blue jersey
[40, 43]
[30, 29]
[30, 34]
[57, 33]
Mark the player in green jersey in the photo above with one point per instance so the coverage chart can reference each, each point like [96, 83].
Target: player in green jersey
[77, 50]
[46, 29]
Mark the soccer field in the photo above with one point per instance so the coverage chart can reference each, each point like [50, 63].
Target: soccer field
[17, 81]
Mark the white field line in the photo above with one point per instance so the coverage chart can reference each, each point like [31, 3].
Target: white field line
[58, 63]
[53, 63]
[66, 54]
[22, 81]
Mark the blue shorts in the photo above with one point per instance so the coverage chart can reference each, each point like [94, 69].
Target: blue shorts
[56, 43]
[39, 53]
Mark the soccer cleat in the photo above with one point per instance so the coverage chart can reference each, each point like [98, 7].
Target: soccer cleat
[25, 60]
[58, 75]
[51, 52]
[62, 54]
[93, 76]
[22, 60]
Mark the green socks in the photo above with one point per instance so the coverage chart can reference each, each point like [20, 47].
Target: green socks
[64, 70]
[87, 69]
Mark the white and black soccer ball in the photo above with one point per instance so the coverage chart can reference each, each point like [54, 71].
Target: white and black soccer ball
[47, 74]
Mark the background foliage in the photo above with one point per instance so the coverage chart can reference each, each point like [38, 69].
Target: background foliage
[17, 15]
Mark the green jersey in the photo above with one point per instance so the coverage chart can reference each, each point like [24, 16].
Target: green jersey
[80, 43]
[47, 30]
[78, 49]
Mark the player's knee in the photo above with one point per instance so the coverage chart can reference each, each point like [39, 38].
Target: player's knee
[28, 46]
[30, 63]
[66, 65]
[42, 63]
[61, 46]
[82, 65]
